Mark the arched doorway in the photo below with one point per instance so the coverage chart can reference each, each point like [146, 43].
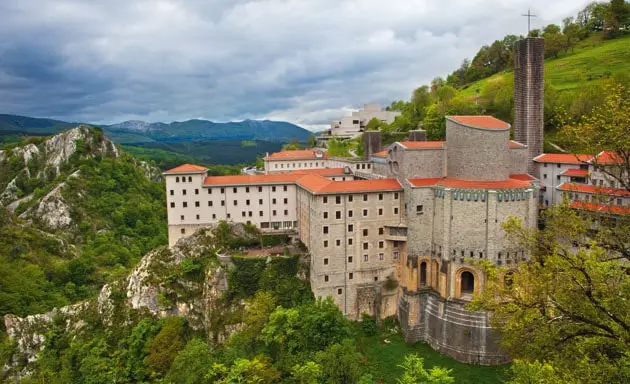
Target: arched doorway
[423, 274]
[467, 283]
[435, 275]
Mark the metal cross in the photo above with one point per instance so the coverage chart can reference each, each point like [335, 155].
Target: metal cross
[529, 16]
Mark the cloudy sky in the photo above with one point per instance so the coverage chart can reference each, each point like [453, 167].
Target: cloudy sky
[303, 61]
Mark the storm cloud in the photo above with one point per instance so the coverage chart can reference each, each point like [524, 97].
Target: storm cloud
[302, 61]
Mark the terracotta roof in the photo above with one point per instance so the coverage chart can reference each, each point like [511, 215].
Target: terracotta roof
[471, 184]
[422, 144]
[323, 171]
[516, 144]
[187, 168]
[380, 154]
[298, 154]
[279, 178]
[615, 209]
[562, 158]
[575, 172]
[484, 122]
[424, 182]
[607, 157]
[522, 176]
[318, 184]
[592, 189]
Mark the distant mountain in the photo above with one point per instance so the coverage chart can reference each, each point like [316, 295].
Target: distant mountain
[134, 131]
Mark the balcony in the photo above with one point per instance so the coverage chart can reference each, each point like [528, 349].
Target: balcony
[396, 232]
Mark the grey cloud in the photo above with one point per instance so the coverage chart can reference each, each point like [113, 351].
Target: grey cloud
[305, 61]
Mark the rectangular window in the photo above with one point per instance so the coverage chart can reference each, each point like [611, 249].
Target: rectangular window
[325, 199]
[365, 212]
[235, 190]
[365, 232]
[325, 215]
[183, 231]
[366, 258]
[380, 211]
[172, 205]
[395, 195]
[209, 191]
[185, 204]
[350, 227]
[350, 198]
[183, 192]
[243, 213]
[273, 201]
[380, 196]
[381, 244]
[337, 199]
[284, 188]
[349, 259]
[395, 210]
[350, 213]
[339, 291]
[214, 216]
[350, 241]
[172, 192]
[196, 203]
[544, 176]
[381, 256]
[286, 212]
[325, 261]
[259, 189]
[326, 278]
[260, 201]
[223, 203]
[350, 276]
[260, 213]
[247, 202]
[222, 190]
[338, 215]
[196, 191]
[246, 189]
[181, 217]
[381, 231]
[325, 229]
[365, 197]
[273, 189]
[419, 209]
[209, 203]
[396, 255]
[235, 202]
[325, 243]
[286, 201]
[273, 212]
[366, 245]
[338, 242]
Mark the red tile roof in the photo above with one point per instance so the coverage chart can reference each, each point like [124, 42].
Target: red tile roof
[607, 157]
[422, 144]
[318, 184]
[279, 178]
[298, 154]
[380, 154]
[187, 168]
[516, 145]
[484, 122]
[323, 171]
[522, 176]
[592, 189]
[562, 158]
[471, 184]
[615, 209]
[575, 172]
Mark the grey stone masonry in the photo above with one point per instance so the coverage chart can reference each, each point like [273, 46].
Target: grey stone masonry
[529, 96]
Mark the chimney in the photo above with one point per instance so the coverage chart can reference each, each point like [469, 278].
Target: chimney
[418, 135]
[371, 142]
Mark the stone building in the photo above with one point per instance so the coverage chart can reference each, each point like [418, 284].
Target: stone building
[396, 234]
[351, 126]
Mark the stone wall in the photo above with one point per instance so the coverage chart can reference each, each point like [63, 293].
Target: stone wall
[449, 328]
[477, 153]
[415, 163]
[529, 95]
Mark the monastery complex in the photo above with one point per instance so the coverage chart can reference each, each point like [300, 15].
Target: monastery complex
[398, 232]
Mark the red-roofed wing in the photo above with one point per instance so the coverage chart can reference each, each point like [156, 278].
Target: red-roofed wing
[299, 154]
[187, 168]
[484, 122]
[422, 144]
[562, 158]
[614, 209]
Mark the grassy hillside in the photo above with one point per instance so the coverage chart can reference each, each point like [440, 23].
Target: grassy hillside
[591, 60]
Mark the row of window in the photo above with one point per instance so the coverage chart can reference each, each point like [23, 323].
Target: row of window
[234, 190]
[338, 200]
[183, 179]
[264, 225]
[247, 202]
[365, 213]
[298, 165]
[381, 243]
[244, 214]
[593, 198]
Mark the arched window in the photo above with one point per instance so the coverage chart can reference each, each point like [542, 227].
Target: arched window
[190, 179]
[468, 283]
[423, 274]
[177, 179]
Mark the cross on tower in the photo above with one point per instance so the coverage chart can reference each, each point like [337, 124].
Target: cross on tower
[529, 16]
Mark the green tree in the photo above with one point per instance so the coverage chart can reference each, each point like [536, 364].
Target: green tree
[312, 141]
[534, 373]
[255, 371]
[307, 373]
[341, 363]
[165, 345]
[415, 373]
[191, 364]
